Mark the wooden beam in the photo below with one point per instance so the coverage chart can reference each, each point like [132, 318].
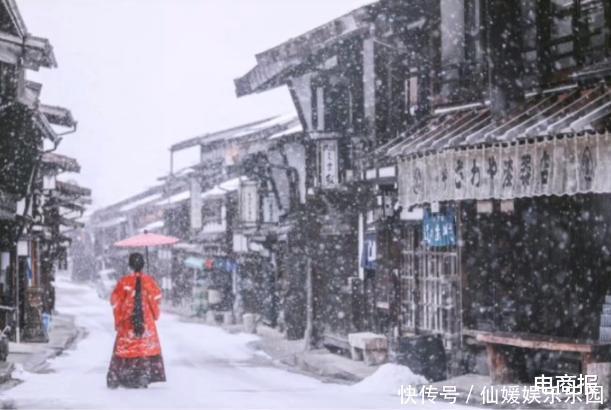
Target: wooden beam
[533, 341]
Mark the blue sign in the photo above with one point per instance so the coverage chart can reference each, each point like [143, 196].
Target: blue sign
[439, 229]
[369, 255]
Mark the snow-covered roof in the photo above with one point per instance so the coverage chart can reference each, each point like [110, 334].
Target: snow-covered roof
[545, 114]
[153, 226]
[64, 162]
[110, 222]
[176, 198]
[142, 201]
[263, 128]
[274, 66]
[224, 187]
[293, 130]
[274, 121]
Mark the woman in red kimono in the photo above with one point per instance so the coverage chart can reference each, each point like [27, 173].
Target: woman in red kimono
[136, 359]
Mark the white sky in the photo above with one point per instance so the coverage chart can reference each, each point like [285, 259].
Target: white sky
[140, 75]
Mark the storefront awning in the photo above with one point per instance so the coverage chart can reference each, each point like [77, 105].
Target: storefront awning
[555, 144]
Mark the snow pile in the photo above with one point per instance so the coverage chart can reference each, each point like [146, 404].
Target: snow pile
[388, 379]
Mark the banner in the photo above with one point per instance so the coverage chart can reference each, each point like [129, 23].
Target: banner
[439, 229]
[559, 166]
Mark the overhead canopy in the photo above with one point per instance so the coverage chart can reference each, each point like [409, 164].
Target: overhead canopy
[568, 111]
[555, 144]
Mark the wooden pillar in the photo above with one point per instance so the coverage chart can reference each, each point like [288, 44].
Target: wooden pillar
[607, 27]
[586, 359]
[499, 365]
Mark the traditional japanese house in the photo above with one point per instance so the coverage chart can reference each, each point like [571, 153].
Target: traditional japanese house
[503, 227]
[55, 206]
[353, 90]
[209, 207]
[269, 232]
[409, 109]
[26, 132]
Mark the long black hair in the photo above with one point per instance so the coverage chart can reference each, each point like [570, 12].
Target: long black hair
[136, 262]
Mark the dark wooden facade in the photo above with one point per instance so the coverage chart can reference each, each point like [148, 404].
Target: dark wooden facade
[407, 78]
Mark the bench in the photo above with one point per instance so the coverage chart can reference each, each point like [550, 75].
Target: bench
[369, 347]
[499, 364]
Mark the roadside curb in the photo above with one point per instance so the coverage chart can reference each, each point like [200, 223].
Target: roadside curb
[39, 361]
[318, 363]
[62, 338]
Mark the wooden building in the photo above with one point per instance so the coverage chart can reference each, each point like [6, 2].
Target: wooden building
[501, 193]
[30, 241]
[210, 217]
[430, 127]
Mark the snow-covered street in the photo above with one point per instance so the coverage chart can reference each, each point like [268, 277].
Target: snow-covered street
[206, 368]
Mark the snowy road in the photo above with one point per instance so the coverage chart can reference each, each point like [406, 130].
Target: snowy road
[206, 368]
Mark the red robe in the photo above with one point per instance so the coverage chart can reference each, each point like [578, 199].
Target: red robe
[128, 345]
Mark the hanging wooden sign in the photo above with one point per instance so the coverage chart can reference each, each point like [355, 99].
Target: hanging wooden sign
[328, 163]
[249, 202]
[560, 166]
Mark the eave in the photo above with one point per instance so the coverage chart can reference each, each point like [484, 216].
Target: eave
[70, 223]
[13, 12]
[36, 51]
[72, 189]
[275, 65]
[58, 115]
[61, 162]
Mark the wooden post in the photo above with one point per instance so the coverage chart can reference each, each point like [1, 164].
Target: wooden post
[308, 339]
[586, 359]
[499, 366]
[607, 7]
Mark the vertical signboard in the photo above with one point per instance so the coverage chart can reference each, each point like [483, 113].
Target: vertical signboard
[329, 175]
[249, 202]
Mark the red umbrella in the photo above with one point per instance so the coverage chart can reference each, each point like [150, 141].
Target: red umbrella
[144, 240]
